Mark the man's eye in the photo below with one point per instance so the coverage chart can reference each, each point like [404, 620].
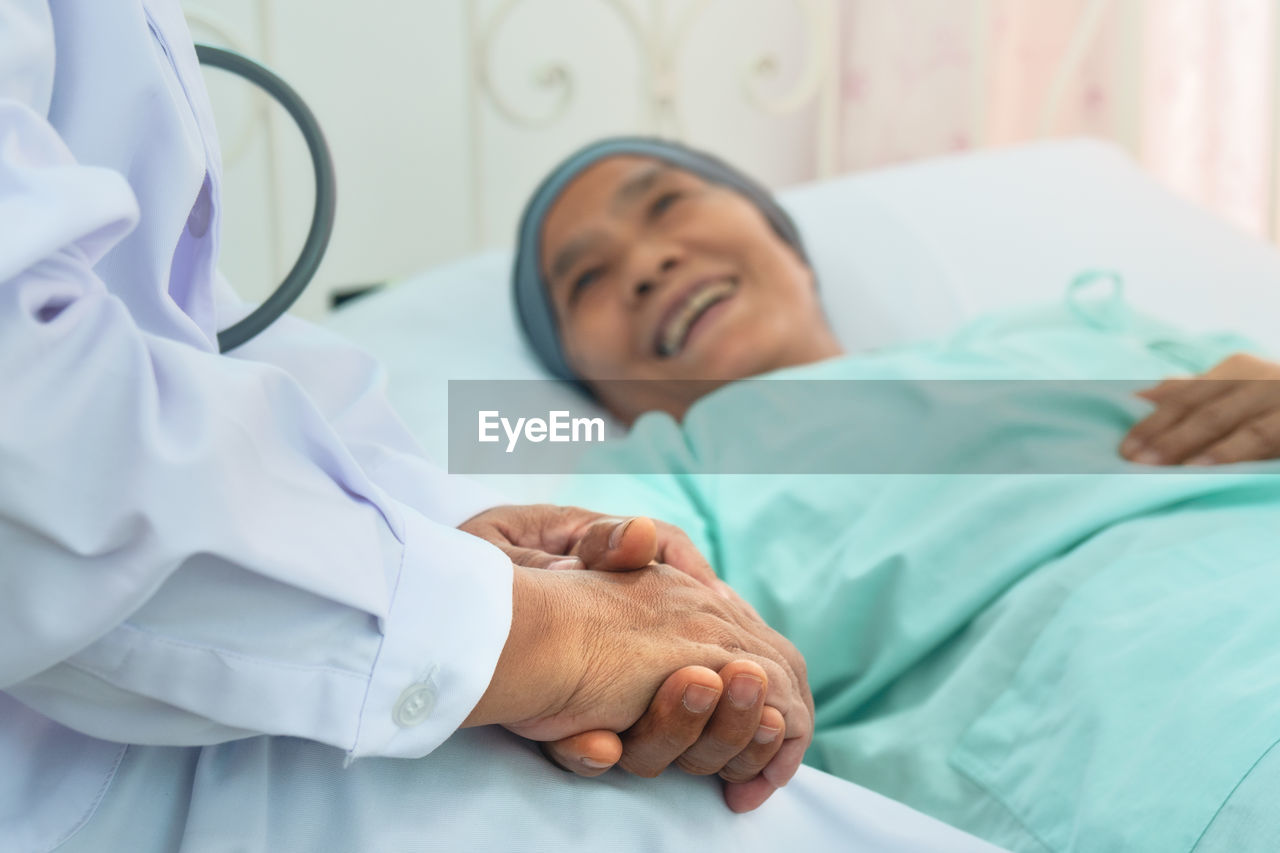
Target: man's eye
[663, 202]
[584, 281]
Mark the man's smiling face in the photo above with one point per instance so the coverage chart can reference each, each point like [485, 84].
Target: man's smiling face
[656, 274]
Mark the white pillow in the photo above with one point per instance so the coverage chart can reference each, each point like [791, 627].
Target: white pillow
[901, 254]
[908, 253]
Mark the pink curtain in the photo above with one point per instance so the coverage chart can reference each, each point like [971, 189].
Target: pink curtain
[1186, 85]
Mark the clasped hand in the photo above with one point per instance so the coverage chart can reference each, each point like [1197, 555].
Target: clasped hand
[644, 660]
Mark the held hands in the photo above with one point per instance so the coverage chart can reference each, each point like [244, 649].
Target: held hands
[1230, 414]
[597, 652]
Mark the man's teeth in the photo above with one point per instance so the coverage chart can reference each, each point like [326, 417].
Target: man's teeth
[674, 334]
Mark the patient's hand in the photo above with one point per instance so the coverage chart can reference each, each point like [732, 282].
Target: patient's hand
[1230, 414]
[705, 721]
[564, 537]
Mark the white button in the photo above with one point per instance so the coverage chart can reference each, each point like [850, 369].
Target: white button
[201, 211]
[414, 705]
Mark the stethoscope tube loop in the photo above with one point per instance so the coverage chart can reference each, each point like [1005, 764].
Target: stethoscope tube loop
[313, 249]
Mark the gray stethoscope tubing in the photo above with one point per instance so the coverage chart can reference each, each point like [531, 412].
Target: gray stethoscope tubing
[326, 194]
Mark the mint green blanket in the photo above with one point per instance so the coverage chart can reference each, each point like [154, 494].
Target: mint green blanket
[1052, 662]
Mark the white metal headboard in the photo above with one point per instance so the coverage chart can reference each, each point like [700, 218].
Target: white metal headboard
[528, 81]
[658, 35]
[443, 116]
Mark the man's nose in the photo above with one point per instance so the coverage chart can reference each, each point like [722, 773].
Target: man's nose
[657, 275]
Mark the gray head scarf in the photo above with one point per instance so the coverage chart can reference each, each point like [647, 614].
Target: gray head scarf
[532, 297]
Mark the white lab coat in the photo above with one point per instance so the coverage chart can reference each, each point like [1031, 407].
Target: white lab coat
[193, 548]
[203, 549]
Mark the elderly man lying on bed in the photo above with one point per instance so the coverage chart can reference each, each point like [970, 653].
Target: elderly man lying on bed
[1052, 662]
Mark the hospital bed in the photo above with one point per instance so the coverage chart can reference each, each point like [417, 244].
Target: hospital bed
[901, 254]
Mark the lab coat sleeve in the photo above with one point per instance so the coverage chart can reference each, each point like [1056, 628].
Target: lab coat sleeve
[189, 552]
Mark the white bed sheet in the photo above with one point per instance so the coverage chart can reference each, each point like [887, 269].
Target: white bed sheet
[484, 790]
[901, 254]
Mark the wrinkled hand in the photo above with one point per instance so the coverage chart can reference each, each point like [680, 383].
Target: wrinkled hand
[694, 723]
[707, 718]
[1229, 414]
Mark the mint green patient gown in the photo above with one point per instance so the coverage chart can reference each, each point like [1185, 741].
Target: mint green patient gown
[1050, 661]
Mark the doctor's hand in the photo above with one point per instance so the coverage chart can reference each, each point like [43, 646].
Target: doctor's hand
[1229, 414]
[589, 651]
[704, 719]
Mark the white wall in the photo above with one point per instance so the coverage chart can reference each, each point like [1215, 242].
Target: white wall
[429, 165]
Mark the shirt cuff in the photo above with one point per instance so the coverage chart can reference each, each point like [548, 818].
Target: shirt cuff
[448, 622]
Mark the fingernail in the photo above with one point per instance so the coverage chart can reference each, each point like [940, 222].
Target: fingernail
[1202, 459]
[615, 538]
[698, 698]
[764, 734]
[595, 765]
[1148, 457]
[569, 565]
[1130, 446]
[744, 690]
